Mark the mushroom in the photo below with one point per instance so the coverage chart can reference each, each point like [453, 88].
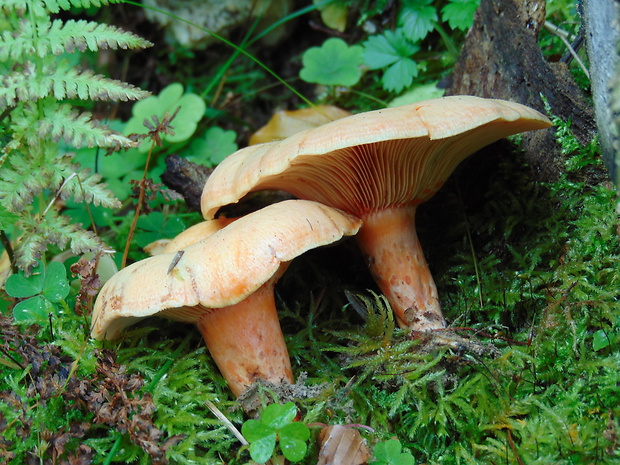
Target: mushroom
[188, 237]
[286, 123]
[379, 166]
[224, 285]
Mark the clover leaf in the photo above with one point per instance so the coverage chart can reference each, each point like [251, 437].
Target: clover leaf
[213, 147]
[392, 49]
[276, 424]
[390, 453]
[332, 64]
[43, 289]
[156, 226]
[418, 18]
[192, 109]
[459, 14]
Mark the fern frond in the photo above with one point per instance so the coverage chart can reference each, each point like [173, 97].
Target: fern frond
[94, 36]
[77, 129]
[85, 187]
[23, 178]
[49, 120]
[54, 6]
[58, 37]
[64, 83]
[56, 229]
[17, 6]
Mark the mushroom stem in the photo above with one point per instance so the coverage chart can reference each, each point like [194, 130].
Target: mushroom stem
[389, 241]
[246, 341]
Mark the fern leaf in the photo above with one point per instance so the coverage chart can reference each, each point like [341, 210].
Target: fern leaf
[58, 37]
[23, 179]
[77, 129]
[14, 46]
[17, 6]
[61, 230]
[13, 88]
[88, 188]
[88, 85]
[93, 36]
[54, 6]
[55, 229]
[29, 250]
[64, 82]
[84, 187]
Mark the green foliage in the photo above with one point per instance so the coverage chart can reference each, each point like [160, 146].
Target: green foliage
[333, 64]
[44, 291]
[417, 18]
[536, 279]
[276, 423]
[459, 14]
[392, 50]
[210, 149]
[192, 109]
[390, 453]
[33, 164]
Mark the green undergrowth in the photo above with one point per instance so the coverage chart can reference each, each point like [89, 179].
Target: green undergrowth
[528, 275]
[532, 270]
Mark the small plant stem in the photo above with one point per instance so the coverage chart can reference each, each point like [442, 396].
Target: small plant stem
[115, 447]
[217, 412]
[164, 369]
[369, 97]
[57, 196]
[471, 247]
[230, 44]
[138, 208]
[447, 40]
[221, 73]
[563, 35]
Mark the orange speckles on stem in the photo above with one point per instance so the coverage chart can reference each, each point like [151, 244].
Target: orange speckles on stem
[395, 258]
[246, 341]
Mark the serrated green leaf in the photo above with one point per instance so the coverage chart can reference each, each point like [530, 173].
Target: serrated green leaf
[156, 226]
[417, 18]
[459, 14]
[399, 75]
[210, 149]
[333, 64]
[388, 48]
[7, 219]
[417, 94]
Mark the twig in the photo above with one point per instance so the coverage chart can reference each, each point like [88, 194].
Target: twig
[563, 35]
[216, 411]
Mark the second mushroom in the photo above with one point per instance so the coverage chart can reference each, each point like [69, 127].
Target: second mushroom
[224, 284]
[378, 166]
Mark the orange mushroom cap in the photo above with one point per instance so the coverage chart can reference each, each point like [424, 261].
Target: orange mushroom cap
[379, 166]
[224, 284]
[372, 160]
